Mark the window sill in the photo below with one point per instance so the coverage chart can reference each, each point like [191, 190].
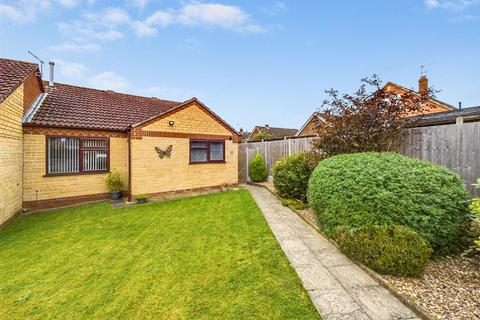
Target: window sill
[74, 173]
[207, 162]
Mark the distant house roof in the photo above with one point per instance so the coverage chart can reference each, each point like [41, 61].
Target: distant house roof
[468, 114]
[315, 116]
[244, 135]
[434, 101]
[275, 132]
[12, 74]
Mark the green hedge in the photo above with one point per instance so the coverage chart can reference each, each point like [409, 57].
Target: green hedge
[354, 190]
[290, 177]
[394, 250]
[258, 169]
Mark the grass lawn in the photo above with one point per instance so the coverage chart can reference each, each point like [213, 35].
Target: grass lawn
[198, 258]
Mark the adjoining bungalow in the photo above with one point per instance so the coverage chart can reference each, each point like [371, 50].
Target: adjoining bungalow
[433, 106]
[59, 141]
[272, 133]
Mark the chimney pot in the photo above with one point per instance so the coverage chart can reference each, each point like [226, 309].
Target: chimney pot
[423, 85]
[241, 130]
[52, 70]
[267, 126]
[460, 105]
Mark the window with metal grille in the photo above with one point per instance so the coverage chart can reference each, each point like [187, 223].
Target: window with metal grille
[77, 155]
[204, 151]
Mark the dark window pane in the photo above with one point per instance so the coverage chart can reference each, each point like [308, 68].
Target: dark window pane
[63, 154]
[198, 155]
[216, 151]
[199, 144]
[95, 160]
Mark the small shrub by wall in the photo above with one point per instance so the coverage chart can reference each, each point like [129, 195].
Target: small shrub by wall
[354, 190]
[394, 250]
[290, 177]
[258, 169]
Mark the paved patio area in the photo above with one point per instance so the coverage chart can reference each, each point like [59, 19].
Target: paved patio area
[338, 288]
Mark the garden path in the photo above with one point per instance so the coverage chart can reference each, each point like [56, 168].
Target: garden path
[338, 288]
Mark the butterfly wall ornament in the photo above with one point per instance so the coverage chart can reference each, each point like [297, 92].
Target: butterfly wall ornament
[162, 154]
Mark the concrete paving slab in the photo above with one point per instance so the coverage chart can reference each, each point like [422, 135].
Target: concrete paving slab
[339, 289]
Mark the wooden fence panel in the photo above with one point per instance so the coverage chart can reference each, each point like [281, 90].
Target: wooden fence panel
[455, 146]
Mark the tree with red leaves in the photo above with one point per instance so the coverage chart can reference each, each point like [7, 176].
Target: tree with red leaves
[368, 120]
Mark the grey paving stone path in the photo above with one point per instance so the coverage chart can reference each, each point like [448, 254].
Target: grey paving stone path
[338, 288]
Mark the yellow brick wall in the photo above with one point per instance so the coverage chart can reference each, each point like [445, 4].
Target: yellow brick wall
[150, 174]
[11, 112]
[38, 187]
[189, 120]
[309, 129]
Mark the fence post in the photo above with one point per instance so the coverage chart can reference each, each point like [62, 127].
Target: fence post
[248, 166]
[265, 150]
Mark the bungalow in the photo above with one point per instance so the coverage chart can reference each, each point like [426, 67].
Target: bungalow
[271, 133]
[59, 141]
[308, 129]
[433, 106]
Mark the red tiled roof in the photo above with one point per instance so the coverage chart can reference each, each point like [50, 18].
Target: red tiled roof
[12, 75]
[86, 108]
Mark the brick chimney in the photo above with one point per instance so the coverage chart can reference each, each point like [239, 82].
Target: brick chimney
[423, 84]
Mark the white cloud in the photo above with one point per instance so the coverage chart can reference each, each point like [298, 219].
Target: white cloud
[108, 80]
[214, 14]
[275, 8]
[217, 15]
[71, 69]
[142, 29]
[161, 18]
[68, 3]
[450, 4]
[141, 4]
[110, 17]
[108, 35]
[25, 11]
[77, 47]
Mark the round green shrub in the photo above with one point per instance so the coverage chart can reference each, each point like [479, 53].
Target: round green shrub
[258, 169]
[394, 250]
[354, 190]
[290, 177]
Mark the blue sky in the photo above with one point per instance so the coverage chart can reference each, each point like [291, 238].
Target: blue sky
[253, 62]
